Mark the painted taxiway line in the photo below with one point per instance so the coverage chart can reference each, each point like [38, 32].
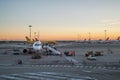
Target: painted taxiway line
[44, 76]
[63, 66]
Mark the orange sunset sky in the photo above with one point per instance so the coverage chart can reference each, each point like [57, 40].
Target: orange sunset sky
[59, 19]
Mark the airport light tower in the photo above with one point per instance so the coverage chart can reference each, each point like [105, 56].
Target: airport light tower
[38, 35]
[105, 33]
[78, 37]
[30, 30]
[89, 37]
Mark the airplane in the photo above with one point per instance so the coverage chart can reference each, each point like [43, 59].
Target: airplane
[109, 41]
[117, 40]
[38, 46]
[104, 41]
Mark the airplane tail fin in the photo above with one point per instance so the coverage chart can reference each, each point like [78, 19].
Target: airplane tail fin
[27, 38]
[118, 38]
[107, 39]
[33, 40]
[36, 39]
[84, 39]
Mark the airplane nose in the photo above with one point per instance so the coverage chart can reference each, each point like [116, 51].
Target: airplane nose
[37, 47]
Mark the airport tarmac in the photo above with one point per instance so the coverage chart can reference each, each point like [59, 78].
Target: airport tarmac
[106, 67]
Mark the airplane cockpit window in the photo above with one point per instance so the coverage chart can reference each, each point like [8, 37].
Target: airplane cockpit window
[37, 44]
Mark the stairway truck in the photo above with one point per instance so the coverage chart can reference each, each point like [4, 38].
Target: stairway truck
[54, 51]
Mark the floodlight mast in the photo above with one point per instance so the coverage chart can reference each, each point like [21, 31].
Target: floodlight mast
[30, 30]
[89, 36]
[105, 33]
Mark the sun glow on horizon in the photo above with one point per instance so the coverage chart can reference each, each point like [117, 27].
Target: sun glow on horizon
[59, 19]
[63, 36]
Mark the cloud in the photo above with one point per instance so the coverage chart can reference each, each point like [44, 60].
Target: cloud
[111, 21]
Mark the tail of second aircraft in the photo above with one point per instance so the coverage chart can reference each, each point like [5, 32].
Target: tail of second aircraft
[29, 40]
[36, 39]
[118, 38]
[107, 38]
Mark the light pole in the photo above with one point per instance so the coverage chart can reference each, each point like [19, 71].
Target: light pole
[38, 35]
[34, 35]
[30, 30]
[78, 37]
[89, 36]
[105, 33]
